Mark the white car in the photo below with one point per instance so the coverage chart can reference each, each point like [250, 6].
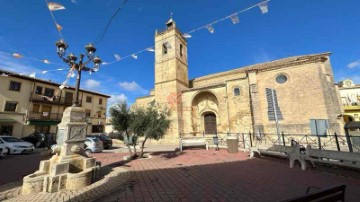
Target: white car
[16, 146]
[3, 149]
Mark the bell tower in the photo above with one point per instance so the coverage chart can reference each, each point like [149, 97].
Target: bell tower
[171, 73]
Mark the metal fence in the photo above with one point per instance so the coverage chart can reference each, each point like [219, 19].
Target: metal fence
[246, 140]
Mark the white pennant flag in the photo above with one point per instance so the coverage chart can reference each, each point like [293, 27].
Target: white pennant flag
[210, 28]
[264, 7]
[55, 6]
[32, 75]
[46, 61]
[150, 49]
[235, 19]
[60, 69]
[43, 72]
[117, 56]
[134, 56]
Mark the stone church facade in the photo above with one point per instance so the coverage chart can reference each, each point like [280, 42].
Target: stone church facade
[236, 101]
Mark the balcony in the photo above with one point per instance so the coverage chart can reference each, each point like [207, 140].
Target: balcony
[46, 116]
[352, 106]
[52, 100]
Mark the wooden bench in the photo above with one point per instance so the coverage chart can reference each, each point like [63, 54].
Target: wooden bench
[333, 194]
[347, 159]
[193, 142]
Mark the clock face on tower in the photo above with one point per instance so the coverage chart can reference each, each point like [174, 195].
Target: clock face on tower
[348, 83]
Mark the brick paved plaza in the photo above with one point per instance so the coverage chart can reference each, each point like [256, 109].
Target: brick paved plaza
[200, 175]
[195, 175]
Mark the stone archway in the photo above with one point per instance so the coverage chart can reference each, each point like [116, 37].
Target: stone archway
[205, 105]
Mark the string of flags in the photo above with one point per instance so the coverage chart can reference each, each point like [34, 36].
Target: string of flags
[234, 17]
[52, 6]
[55, 7]
[20, 56]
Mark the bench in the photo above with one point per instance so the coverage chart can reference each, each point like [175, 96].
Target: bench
[332, 194]
[193, 142]
[347, 159]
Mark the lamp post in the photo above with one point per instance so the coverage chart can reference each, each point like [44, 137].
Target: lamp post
[79, 66]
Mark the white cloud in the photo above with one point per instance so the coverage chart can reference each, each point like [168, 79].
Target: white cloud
[92, 84]
[116, 99]
[132, 87]
[354, 64]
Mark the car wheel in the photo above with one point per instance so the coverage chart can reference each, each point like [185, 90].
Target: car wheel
[87, 151]
[37, 144]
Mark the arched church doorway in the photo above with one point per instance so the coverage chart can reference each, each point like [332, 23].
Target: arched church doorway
[210, 123]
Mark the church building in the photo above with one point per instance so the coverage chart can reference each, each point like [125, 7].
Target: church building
[295, 95]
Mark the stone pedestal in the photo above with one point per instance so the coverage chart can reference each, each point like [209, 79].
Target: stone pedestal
[71, 169]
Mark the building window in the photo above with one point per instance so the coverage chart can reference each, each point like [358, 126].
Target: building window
[6, 130]
[97, 128]
[281, 79]
[181, 50]
[38, 90]
[88, 99]
[236, 91]
[100, 101]
[10, 106]
[14, 86]
[88, 113]
[49, 92]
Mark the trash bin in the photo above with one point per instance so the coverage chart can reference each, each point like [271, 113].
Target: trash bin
[232, 144]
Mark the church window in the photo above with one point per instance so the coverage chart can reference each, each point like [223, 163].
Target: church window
[181, 50]
[281, 78]
[236, 91]
[165, 50]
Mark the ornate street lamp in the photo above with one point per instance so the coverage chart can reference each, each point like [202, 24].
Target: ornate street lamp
[79, 66]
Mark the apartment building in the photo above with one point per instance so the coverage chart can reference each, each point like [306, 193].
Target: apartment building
[30, 105]
[350, 97]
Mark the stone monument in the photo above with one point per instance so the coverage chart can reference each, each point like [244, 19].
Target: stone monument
[71, 169]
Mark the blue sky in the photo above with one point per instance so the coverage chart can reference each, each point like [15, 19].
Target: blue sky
[291, 27]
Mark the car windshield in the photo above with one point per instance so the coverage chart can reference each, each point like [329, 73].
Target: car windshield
[103, 137]
[11, 139]
[96, 140]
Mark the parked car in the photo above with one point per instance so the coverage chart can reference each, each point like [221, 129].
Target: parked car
[41, 139]
[3, 150]
[93, 145]
[16, 146]
[107, 142]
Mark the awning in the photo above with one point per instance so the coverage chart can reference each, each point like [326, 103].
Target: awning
[43, 122]
[352, 125]
[7, 121]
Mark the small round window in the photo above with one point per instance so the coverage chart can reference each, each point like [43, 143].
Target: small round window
[280, 79]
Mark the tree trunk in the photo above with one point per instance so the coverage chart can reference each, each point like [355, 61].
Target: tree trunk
[128, 146]
[142, 148]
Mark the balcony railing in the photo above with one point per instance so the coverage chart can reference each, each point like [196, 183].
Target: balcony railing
[45, 116]
[52, 100]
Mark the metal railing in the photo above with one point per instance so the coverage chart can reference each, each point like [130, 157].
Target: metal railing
[246, 140]
[45, 116]
[52, 100]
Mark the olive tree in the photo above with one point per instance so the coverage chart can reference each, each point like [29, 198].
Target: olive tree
[121, 118]
[150, 123]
